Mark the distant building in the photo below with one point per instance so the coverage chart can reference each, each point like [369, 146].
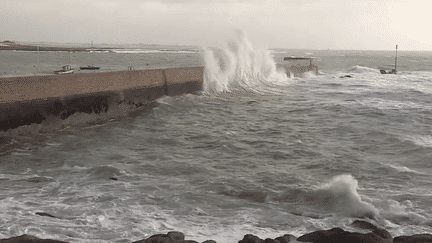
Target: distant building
[6, 45]
[299, 65]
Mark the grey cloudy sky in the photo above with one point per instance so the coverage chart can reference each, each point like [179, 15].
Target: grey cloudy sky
[310, 24]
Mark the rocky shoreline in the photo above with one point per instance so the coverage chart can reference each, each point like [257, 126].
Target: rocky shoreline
[335, 235]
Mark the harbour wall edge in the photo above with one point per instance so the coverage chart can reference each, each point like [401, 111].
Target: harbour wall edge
[34, 99]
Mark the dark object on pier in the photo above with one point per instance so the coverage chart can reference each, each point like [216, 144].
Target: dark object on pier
[89, 67]
[393, 71]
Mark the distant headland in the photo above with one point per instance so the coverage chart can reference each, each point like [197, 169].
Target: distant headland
[10, 45]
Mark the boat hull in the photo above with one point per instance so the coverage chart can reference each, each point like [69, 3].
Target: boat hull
[64, 72]
[90, 68]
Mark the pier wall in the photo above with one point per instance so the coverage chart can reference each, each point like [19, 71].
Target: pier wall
[33, 99]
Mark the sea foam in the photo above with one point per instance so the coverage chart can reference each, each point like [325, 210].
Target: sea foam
[240, 66]
[340, 195]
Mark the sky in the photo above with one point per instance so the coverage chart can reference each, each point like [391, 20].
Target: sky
[296, 24]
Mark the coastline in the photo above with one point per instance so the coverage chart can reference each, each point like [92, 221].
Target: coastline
[10, 46]
[334, 235]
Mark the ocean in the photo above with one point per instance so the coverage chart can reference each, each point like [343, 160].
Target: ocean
[256, 152]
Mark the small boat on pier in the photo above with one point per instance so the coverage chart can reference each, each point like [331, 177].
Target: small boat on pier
[65, 70]
[89, 67]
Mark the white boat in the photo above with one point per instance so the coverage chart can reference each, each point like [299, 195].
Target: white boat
[65, 70]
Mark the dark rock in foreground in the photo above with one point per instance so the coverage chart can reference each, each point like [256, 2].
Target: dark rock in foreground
[250, 239]
[29, 239]
[421, 238]
[335, 235]
[254, 239]
[171, 237]
[338, 235]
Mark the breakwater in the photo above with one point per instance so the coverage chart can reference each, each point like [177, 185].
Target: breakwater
[33, 99]
[9, 45]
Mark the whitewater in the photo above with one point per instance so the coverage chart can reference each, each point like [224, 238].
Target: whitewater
[256, 152]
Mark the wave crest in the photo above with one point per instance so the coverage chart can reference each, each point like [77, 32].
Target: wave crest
[340, 195]
[239, 66]
[361, 69]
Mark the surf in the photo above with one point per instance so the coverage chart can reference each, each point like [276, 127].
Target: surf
[240, 66]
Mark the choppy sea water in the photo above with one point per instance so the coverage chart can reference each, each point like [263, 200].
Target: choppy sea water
[255, 152]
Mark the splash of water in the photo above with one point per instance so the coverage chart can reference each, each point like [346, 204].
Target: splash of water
[239, 66]
[340, 195]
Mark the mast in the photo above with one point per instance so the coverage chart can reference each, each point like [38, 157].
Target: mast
[37, 65]
[396, 58]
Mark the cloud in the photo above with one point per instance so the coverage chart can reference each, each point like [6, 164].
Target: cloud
[363, 24]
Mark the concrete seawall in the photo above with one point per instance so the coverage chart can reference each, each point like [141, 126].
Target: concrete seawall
[33, 99]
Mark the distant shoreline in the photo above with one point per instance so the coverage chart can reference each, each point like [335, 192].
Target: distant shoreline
[9, 45]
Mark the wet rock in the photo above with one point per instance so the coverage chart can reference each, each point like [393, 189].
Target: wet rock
[268, 240]
[383, 234]
[171, 237]
[38, 179]
[281, 239]
[47, 215]
[175, 235]
[338, 235]
[250, 239]
[319, 235]
[420, 238]
[363, 225]
[159, 238]
[286, 238]
[103, 172]
[29, 239]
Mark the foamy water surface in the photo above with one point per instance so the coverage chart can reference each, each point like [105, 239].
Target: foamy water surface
[256, 152]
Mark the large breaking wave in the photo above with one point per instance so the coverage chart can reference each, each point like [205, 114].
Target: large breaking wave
[240, 66]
